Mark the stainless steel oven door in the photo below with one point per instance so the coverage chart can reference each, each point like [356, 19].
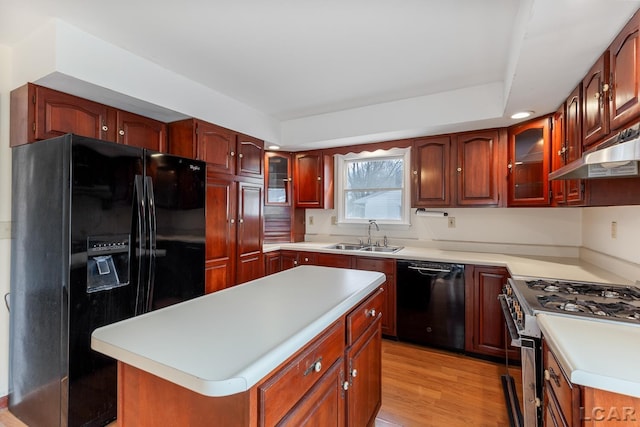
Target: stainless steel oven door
[530, 354]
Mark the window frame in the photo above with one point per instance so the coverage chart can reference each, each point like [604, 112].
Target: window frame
[340, 175]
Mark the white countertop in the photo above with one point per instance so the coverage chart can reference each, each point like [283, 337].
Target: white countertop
[518, 265]
[224, 343]
[593, 353]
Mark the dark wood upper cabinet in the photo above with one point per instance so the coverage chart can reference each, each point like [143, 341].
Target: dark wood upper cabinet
[431, 172]
[567, 147]
[224, 150]
[40, 113]
[595, 107]
[277, 179]
[624, 65]
[139, 131]
[476, 168]
[529, 146]
[216, 146]
[313, 180]
[574, 188]
[558, 155]
[250, 156]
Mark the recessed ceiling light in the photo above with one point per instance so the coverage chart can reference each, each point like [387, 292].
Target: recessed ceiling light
[521, 114]
[274, 147]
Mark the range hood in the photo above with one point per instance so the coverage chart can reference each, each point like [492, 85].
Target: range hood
[618, 156]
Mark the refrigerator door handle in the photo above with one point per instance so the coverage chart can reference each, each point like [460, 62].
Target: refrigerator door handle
[153, 234]
[141, 238]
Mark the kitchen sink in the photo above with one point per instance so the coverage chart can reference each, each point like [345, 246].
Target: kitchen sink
[386, 249]
[365, 248]
[347, 246]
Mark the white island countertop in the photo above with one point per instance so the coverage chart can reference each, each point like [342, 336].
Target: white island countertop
[593, 353]
[226, 342]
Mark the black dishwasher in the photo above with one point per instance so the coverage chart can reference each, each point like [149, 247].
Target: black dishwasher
[430, 299]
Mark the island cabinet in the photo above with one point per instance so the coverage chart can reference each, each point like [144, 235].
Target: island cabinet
[39, 113]
[484, 321]
[388, 267]
[313, 180]
[529, 163]
[333, 379]
[289, 259]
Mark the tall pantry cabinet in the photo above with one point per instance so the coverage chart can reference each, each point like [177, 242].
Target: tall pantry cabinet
[234, 199]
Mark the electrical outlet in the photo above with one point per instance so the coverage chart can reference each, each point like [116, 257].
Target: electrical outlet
[311, 220]
[614, 229]
[452, 222]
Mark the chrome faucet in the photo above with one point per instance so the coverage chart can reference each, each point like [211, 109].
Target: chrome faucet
[371, 222]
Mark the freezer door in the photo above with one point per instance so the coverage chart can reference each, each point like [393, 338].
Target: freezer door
[104, 268]
[176, 198]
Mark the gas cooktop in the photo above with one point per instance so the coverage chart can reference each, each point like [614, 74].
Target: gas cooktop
[596, 300]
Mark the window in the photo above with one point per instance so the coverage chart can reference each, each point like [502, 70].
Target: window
[373, 186]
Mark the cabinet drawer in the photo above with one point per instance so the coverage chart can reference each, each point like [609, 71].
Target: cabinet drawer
[364, 315]
[561, 389]
[386, 266]
[281, 392]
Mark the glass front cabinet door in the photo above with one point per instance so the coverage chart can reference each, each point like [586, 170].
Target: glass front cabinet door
[529, 155]
[278, 179]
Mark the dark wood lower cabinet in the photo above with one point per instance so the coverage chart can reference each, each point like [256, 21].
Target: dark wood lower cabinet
[365, 378]
[484, 322]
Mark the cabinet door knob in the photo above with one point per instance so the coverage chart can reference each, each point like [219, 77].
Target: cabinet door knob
[345, 385]
[121, 132]
[319, 178]
[317, 366]
[354, 373]
[415, 172]
[233, 221]
[240, 221]
[105, 128]
[233, 153]
[240, 155]
[459, 169]
[371, 313]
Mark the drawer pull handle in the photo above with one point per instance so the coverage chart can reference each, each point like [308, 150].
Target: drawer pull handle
[314, 367]
[371, 313]
[549, 374]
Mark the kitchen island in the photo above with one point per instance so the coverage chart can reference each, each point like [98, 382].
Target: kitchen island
[283, 347]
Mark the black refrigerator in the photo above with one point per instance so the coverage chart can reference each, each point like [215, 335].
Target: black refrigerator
[101, 232]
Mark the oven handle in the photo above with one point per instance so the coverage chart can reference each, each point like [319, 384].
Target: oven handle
[429, 269]
[511, 325]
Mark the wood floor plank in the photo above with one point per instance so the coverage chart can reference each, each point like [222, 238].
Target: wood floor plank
[423, 387]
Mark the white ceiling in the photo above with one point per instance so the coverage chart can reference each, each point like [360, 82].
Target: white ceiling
[299, 58]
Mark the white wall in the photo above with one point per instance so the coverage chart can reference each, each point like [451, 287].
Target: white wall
[528, 231]
[596, 231]
[5, 214]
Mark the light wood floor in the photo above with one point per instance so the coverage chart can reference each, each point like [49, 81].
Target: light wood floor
[425, 387]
